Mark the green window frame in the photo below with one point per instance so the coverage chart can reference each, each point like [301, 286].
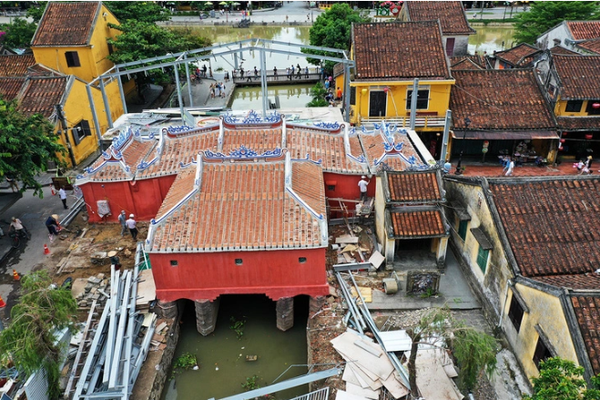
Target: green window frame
[482, 258]
[462, 229]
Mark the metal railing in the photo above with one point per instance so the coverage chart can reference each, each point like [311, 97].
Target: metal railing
[404, 122]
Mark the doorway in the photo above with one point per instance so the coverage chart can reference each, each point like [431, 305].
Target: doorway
[377, 103]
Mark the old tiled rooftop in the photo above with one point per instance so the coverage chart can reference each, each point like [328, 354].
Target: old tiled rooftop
[590, 280]
[519, 55]
[551, 224]
[40, 95]
[581, 30]
[560, 50]
[417, 224]
[468, 62]
[578, 76]
[578, 123]
[414, 187]
[250, 196]
[374, 148]
[399, 50]
[450, 13]
[133, 153]
[586, 309]
[66, 24]
[13, 65]
[508, 100]
[592, 45]
[10, 87]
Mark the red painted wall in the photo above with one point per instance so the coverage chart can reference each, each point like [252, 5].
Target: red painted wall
[276, 274]
[142, 198]
[346, 187]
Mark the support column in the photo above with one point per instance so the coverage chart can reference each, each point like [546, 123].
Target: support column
[166, 309]
[285, 313]
[206, 315]
[441, 253]
[314, 305]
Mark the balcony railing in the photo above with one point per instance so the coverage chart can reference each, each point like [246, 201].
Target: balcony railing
[420, 121]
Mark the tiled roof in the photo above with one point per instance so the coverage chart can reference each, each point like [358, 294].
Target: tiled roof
[499, 100]
[376, 152]
[15, 65]
[417, 224]
[40, 95]
[414, 187]
[579, 76]
[468, 62]
[248, 196]
[399, 50]
[588, 318]
[559, 50]
[551, 225]
[518, 56]
[10, 87]
[324, 146]
[132, 153]
[578, 281]
[66, 24]
[450, 13]
[259, 140]
[581, 30]
[578, 123]
[592, 45]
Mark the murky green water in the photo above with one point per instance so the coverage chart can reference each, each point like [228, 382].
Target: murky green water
[246, 98]
[222, 357]
[491, 38]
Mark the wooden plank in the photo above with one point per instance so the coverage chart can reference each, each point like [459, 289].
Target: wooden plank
[365, 292]
[376, 259]
[359, 391]
[432, 380]
[361, 376]
[346, 239]
[343, 395]
[398, 390]
[381, 367]
[350, 377]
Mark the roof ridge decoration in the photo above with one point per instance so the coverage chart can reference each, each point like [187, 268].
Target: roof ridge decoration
[114, 154]
[242, 154]
[159, 149]
[288, 188]
[154, 223]
[184, 130]
[252, 118]
[390, 147]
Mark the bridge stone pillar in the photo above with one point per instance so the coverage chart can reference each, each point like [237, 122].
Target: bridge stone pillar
[285, 313]
[315, 304]
[206, 315]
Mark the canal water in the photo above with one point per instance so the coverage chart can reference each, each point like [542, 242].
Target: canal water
[222, 356]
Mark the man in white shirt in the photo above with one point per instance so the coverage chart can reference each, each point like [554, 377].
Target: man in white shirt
[63, 196]
[131, 224]
[363, 184]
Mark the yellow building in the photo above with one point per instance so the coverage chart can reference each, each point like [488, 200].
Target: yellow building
[533, 269]
[389, 56]
[71, 38]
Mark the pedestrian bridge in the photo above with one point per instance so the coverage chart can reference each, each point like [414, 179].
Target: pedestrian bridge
[279, 79]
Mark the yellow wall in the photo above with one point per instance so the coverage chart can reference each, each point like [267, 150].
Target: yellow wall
[545, 310]
[439, 99]
[92, 57]
[561, 105]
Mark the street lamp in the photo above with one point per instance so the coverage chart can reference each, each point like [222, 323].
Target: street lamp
[458, 166]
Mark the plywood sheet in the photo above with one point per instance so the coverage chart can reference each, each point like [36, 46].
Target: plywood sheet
[432, 380]
[146, 288]
[380, 366]
[376, 259]
[398, 390]
[362, 377]
[359, 391]
[365, 292]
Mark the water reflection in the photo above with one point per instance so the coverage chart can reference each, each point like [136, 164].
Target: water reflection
[491, 38]
[290, 96]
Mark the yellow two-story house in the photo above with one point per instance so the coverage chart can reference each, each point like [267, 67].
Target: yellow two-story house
[389, 56]
[71, 38]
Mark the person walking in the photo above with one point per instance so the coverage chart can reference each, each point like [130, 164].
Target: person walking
[18, 227]
[123, 222]
[63, 196]
[511, 167]
[338, 94]
[306, 71]
[131, 225]
[52, 226]
[12, 183]
[275, 72]
[299, 73]
[255, 73]
[363, 185]
[287, 71]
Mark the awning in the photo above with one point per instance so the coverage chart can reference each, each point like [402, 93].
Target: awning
[482, 239]
[502, 135]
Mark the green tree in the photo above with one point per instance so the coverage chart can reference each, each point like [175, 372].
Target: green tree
[29, 340]
[475, 351]
[318, 93]
[141, 11]
[18, 34]
[544, 15]
[333, 29]
[27, 144]
[37, 10]
[562, 380]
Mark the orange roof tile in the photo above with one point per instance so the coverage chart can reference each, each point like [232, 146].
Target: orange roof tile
[468, 62]
[518, 56]
[590, 280]
[587, 312]
[13, 65]
[578, 76]
[10, 87]
[451, 15]
[66, 24]
[592, 45]
[40, 95]
[413, 186]
[582, 30]
[508, 100]
[550, 224]
[578, 123]
[397, 160]
[249, 196]
[417, 224]
[399, 50]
